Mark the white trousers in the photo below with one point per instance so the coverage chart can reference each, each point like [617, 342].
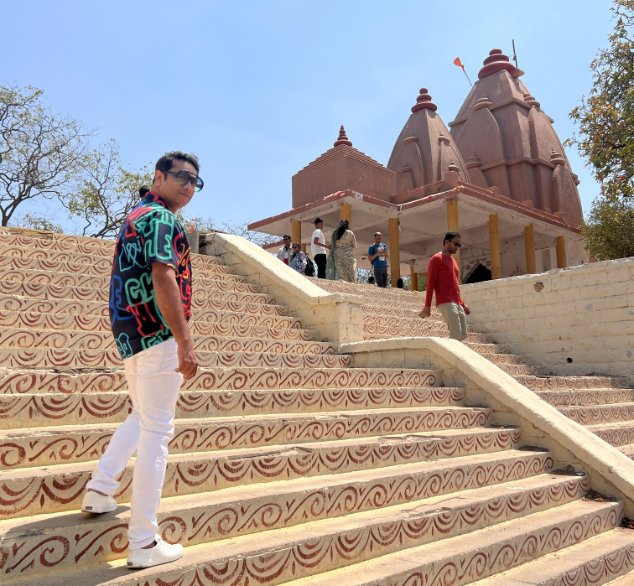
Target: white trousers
[153, 386]
[455, 318]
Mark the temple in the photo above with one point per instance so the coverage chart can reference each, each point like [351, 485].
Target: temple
[500, 177]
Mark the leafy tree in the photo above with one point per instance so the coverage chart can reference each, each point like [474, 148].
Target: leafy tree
[606, 116]
[609, 229]
[209, 225]
[106, 192]
[40, 152]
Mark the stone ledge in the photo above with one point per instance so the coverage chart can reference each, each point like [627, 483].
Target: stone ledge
[337, 318]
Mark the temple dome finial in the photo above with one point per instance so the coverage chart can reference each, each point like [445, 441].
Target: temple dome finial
[423, 102]
[343, 137]
[496, 61]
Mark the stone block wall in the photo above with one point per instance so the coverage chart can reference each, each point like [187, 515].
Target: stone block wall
[573, 321]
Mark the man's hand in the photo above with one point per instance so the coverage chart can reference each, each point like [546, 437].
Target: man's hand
[168, 299]
[187, 361]
[425, 313]
[466, 309]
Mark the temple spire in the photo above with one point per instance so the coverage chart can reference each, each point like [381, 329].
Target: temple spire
[423, 102]
[343, 138]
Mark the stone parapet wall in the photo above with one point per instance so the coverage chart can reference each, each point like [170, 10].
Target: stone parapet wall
[573, 321]
[333, 317]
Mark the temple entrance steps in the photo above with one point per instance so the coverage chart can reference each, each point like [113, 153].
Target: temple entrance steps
[604, 404]
[287, 464]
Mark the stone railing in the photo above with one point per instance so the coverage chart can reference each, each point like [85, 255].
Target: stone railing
[334, 317]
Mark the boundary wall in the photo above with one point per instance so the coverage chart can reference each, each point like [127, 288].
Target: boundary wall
[573, 321]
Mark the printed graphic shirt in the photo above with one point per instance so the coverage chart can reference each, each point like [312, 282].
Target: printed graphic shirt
[150, 233]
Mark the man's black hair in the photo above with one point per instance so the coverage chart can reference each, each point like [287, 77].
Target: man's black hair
[450, 236]
[318, 221]
[166, 162]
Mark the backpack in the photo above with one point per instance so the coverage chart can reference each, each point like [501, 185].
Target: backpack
[309, 271]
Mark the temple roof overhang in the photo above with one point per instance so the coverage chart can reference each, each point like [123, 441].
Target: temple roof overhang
[423, 220]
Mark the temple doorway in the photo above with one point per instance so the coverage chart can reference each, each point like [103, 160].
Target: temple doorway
[478, 274]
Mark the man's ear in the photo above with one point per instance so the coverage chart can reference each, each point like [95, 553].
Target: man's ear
[158, 178]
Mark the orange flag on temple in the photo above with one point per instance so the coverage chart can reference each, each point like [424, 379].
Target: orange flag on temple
[457, 62]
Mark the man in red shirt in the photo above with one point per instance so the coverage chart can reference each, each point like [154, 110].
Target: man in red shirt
[443, 280]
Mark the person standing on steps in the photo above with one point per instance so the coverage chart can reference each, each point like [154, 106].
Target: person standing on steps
[284, 253]
[378, 255]
[150, 305]
[443, 280]
[318, 248]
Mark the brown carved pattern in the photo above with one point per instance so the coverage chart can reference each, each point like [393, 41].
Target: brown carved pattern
[56, 260]
[53, 321]
[63, 358]
[50, 278]
[52, 306]
[599, 414]
[35, 495]
[59, 242]
[599, 571]
[572, 383]
[66, 383]
[25, 409]
[616, 436]
[229, 344]
[234, 379]
[519, 369]
[240, 330]
[47, 447]
[498, 558]
[580, 398]
[205, 524]
[29, 337]
[380, 325]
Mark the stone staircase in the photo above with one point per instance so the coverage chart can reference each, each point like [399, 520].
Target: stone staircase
[604, 404]
[287, 465]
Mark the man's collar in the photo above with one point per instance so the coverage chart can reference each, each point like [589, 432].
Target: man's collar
[152, 197]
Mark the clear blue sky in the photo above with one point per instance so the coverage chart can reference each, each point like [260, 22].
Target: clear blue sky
[258, 89]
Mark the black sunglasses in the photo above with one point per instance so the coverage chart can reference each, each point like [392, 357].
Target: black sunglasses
[183, 177]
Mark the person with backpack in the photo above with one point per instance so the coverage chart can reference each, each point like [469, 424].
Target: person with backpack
[298, 258]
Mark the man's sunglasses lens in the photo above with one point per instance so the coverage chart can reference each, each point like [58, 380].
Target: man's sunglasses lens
[183, 178]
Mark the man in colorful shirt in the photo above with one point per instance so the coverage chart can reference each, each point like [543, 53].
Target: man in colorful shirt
[443, 280]
[150, 305]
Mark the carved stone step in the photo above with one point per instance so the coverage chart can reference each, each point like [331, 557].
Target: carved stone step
[70, 315]
[77, 443]
[31, 337]
[466, 558]
[587, 397]
[30, 491]
[571, 383]
[595, 561]
[41, 382]
[598, 414]
[76, 359]
[26, 409]
[240, 511]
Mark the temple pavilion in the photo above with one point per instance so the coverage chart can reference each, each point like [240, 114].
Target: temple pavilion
[499, 176]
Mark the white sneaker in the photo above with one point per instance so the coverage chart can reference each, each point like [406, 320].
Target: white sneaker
[97, 503]
[161, 553]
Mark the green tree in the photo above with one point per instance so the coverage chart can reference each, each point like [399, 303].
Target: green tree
[41, 154]
[606, 117]
[106, 192]
[609, 229]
